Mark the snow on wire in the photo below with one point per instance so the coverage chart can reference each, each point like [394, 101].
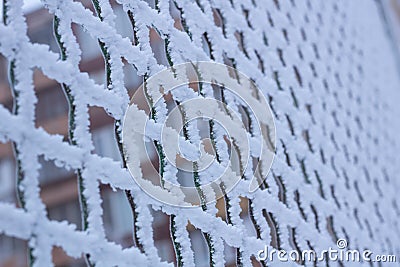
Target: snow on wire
[328, 71]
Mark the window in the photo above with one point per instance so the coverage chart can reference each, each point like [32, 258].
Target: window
[89, 46]
[50, 172]
[43, 34]
[104, 142]
[165, 250]
[122, 23]
[52, 103]
[199, 248]
[7, 178]
[3, 69]
[69, 211]
[12, 247]
[117, 214]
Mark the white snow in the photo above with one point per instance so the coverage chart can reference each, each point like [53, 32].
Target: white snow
[335, 110]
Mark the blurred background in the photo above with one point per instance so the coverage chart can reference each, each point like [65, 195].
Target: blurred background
[59, 190]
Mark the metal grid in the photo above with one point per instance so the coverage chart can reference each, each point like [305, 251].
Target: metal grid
[328, 71]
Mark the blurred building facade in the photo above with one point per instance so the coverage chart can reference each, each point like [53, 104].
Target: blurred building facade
[59, 190]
